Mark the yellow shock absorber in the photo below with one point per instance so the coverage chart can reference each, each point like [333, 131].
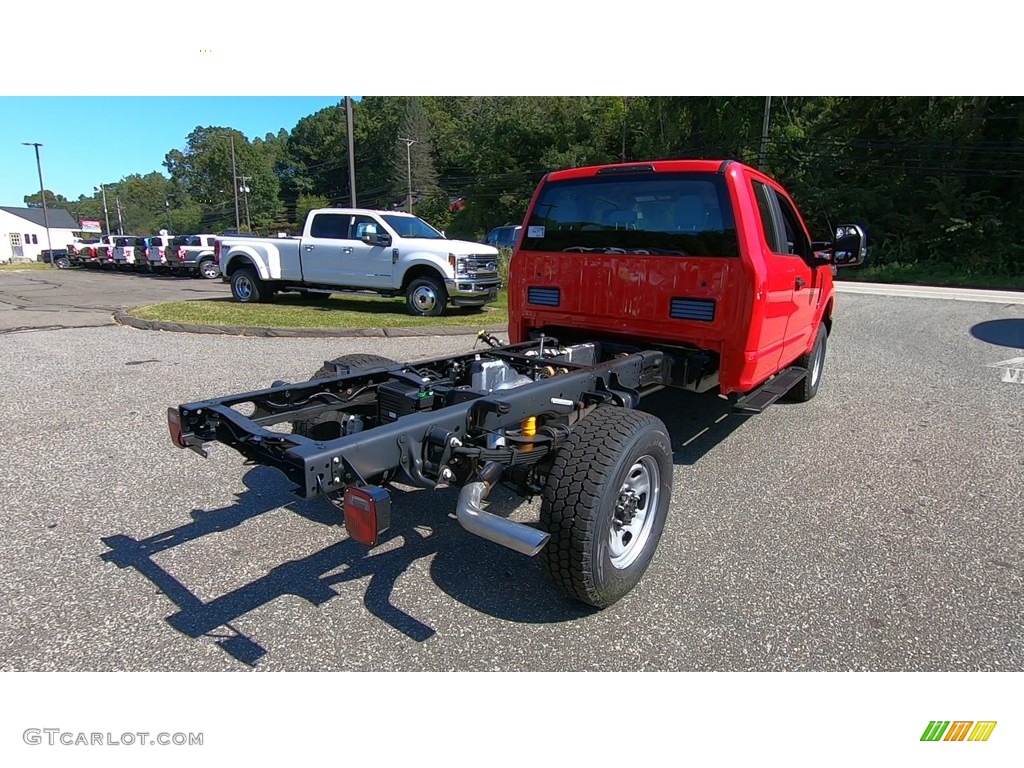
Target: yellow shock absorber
[529, 426]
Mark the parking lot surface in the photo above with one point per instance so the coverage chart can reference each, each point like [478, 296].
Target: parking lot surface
[78, 298]
[877, 527]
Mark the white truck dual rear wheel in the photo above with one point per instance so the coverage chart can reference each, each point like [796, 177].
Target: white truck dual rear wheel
[247, 288]
[605, 503]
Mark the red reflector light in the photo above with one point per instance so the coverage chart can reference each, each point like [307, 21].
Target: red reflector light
[367, 513]
[174, 425]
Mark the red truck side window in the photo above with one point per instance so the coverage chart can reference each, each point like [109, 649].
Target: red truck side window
[769, 224]
[783, 231]
[794, 229]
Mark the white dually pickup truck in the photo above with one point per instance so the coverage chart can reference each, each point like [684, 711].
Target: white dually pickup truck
[354, 249]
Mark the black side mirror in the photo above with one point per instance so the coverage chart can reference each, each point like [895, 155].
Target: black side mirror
[850, 248]
[382, 239]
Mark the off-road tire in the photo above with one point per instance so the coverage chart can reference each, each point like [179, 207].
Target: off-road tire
[583, 489]
[814, 362]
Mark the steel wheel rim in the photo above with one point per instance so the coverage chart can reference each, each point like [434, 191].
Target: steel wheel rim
[424, 298]
[209, 269]
[243, 288]
[819, 357]
[636, 509]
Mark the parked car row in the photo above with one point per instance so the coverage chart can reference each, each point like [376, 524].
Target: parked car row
[173, 254]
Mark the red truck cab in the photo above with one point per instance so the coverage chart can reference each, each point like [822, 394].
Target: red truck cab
[699, 257]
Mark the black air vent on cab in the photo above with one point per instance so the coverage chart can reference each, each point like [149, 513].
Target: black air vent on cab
[543, 297]
[692, 309]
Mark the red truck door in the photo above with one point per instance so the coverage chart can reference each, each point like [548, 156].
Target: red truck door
[793, 286]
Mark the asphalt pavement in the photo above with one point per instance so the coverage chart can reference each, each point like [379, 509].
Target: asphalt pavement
[80, 298]
[877, 527]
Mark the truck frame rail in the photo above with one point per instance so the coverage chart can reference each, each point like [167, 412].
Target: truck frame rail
[428, 423]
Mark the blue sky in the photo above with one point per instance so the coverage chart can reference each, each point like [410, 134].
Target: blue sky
[93, 140]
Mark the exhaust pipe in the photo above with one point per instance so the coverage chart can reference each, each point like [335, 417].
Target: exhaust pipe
[476, 520]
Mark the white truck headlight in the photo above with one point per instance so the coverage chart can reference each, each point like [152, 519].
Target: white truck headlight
[457, 263]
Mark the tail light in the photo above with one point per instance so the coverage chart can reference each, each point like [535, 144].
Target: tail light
[174, 426]
[367, 513]
[216, 251]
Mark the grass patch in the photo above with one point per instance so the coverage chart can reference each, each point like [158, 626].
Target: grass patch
[294, 311]
[25, 266]
[928, 274]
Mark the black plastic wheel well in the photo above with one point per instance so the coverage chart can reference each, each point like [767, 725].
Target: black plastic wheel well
[420, 270]
[238, 263]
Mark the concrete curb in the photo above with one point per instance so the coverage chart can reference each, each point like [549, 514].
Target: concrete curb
[123, 318]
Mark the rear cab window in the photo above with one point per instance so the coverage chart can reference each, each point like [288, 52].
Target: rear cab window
[650, 213]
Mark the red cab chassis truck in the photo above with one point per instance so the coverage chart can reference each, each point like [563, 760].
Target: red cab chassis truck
[696, 275]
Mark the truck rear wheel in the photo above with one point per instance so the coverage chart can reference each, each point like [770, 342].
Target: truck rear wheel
[426, 297]
[814, 362]
[246, 286]
[327, 425]
[208, 268]
[605, 503]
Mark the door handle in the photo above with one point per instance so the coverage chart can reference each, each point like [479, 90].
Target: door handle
[800, 283]
[310, 247]
[346, 250]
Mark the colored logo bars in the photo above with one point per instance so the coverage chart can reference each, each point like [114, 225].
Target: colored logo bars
[958, 730]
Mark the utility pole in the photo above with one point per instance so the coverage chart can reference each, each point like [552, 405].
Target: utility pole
[625, 114]
[245, 191]
[764, 131]
[106, 215]
[120, 224]
[408, 161]
[42, 196]
[351, 151]
[234, 182]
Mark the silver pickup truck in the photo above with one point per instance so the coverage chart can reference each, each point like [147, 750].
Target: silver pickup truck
[353, 249]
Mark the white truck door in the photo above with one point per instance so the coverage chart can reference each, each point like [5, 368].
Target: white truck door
[321, 252]
[367, 265]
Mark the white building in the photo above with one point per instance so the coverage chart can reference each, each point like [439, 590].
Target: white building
[23, 233]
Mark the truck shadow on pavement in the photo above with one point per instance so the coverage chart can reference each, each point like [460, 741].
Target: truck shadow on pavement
[696, 423]
[482, 575]
[477, 573]
[1008, 332]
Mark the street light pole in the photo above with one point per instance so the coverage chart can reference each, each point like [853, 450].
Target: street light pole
[42, 196]
[245, 192]
[764, 131]
[106, 216]
[234, 182]
[408, 161]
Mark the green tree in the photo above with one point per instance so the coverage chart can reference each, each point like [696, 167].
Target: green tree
[203, 171]
[413, 162]
[307, 203]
